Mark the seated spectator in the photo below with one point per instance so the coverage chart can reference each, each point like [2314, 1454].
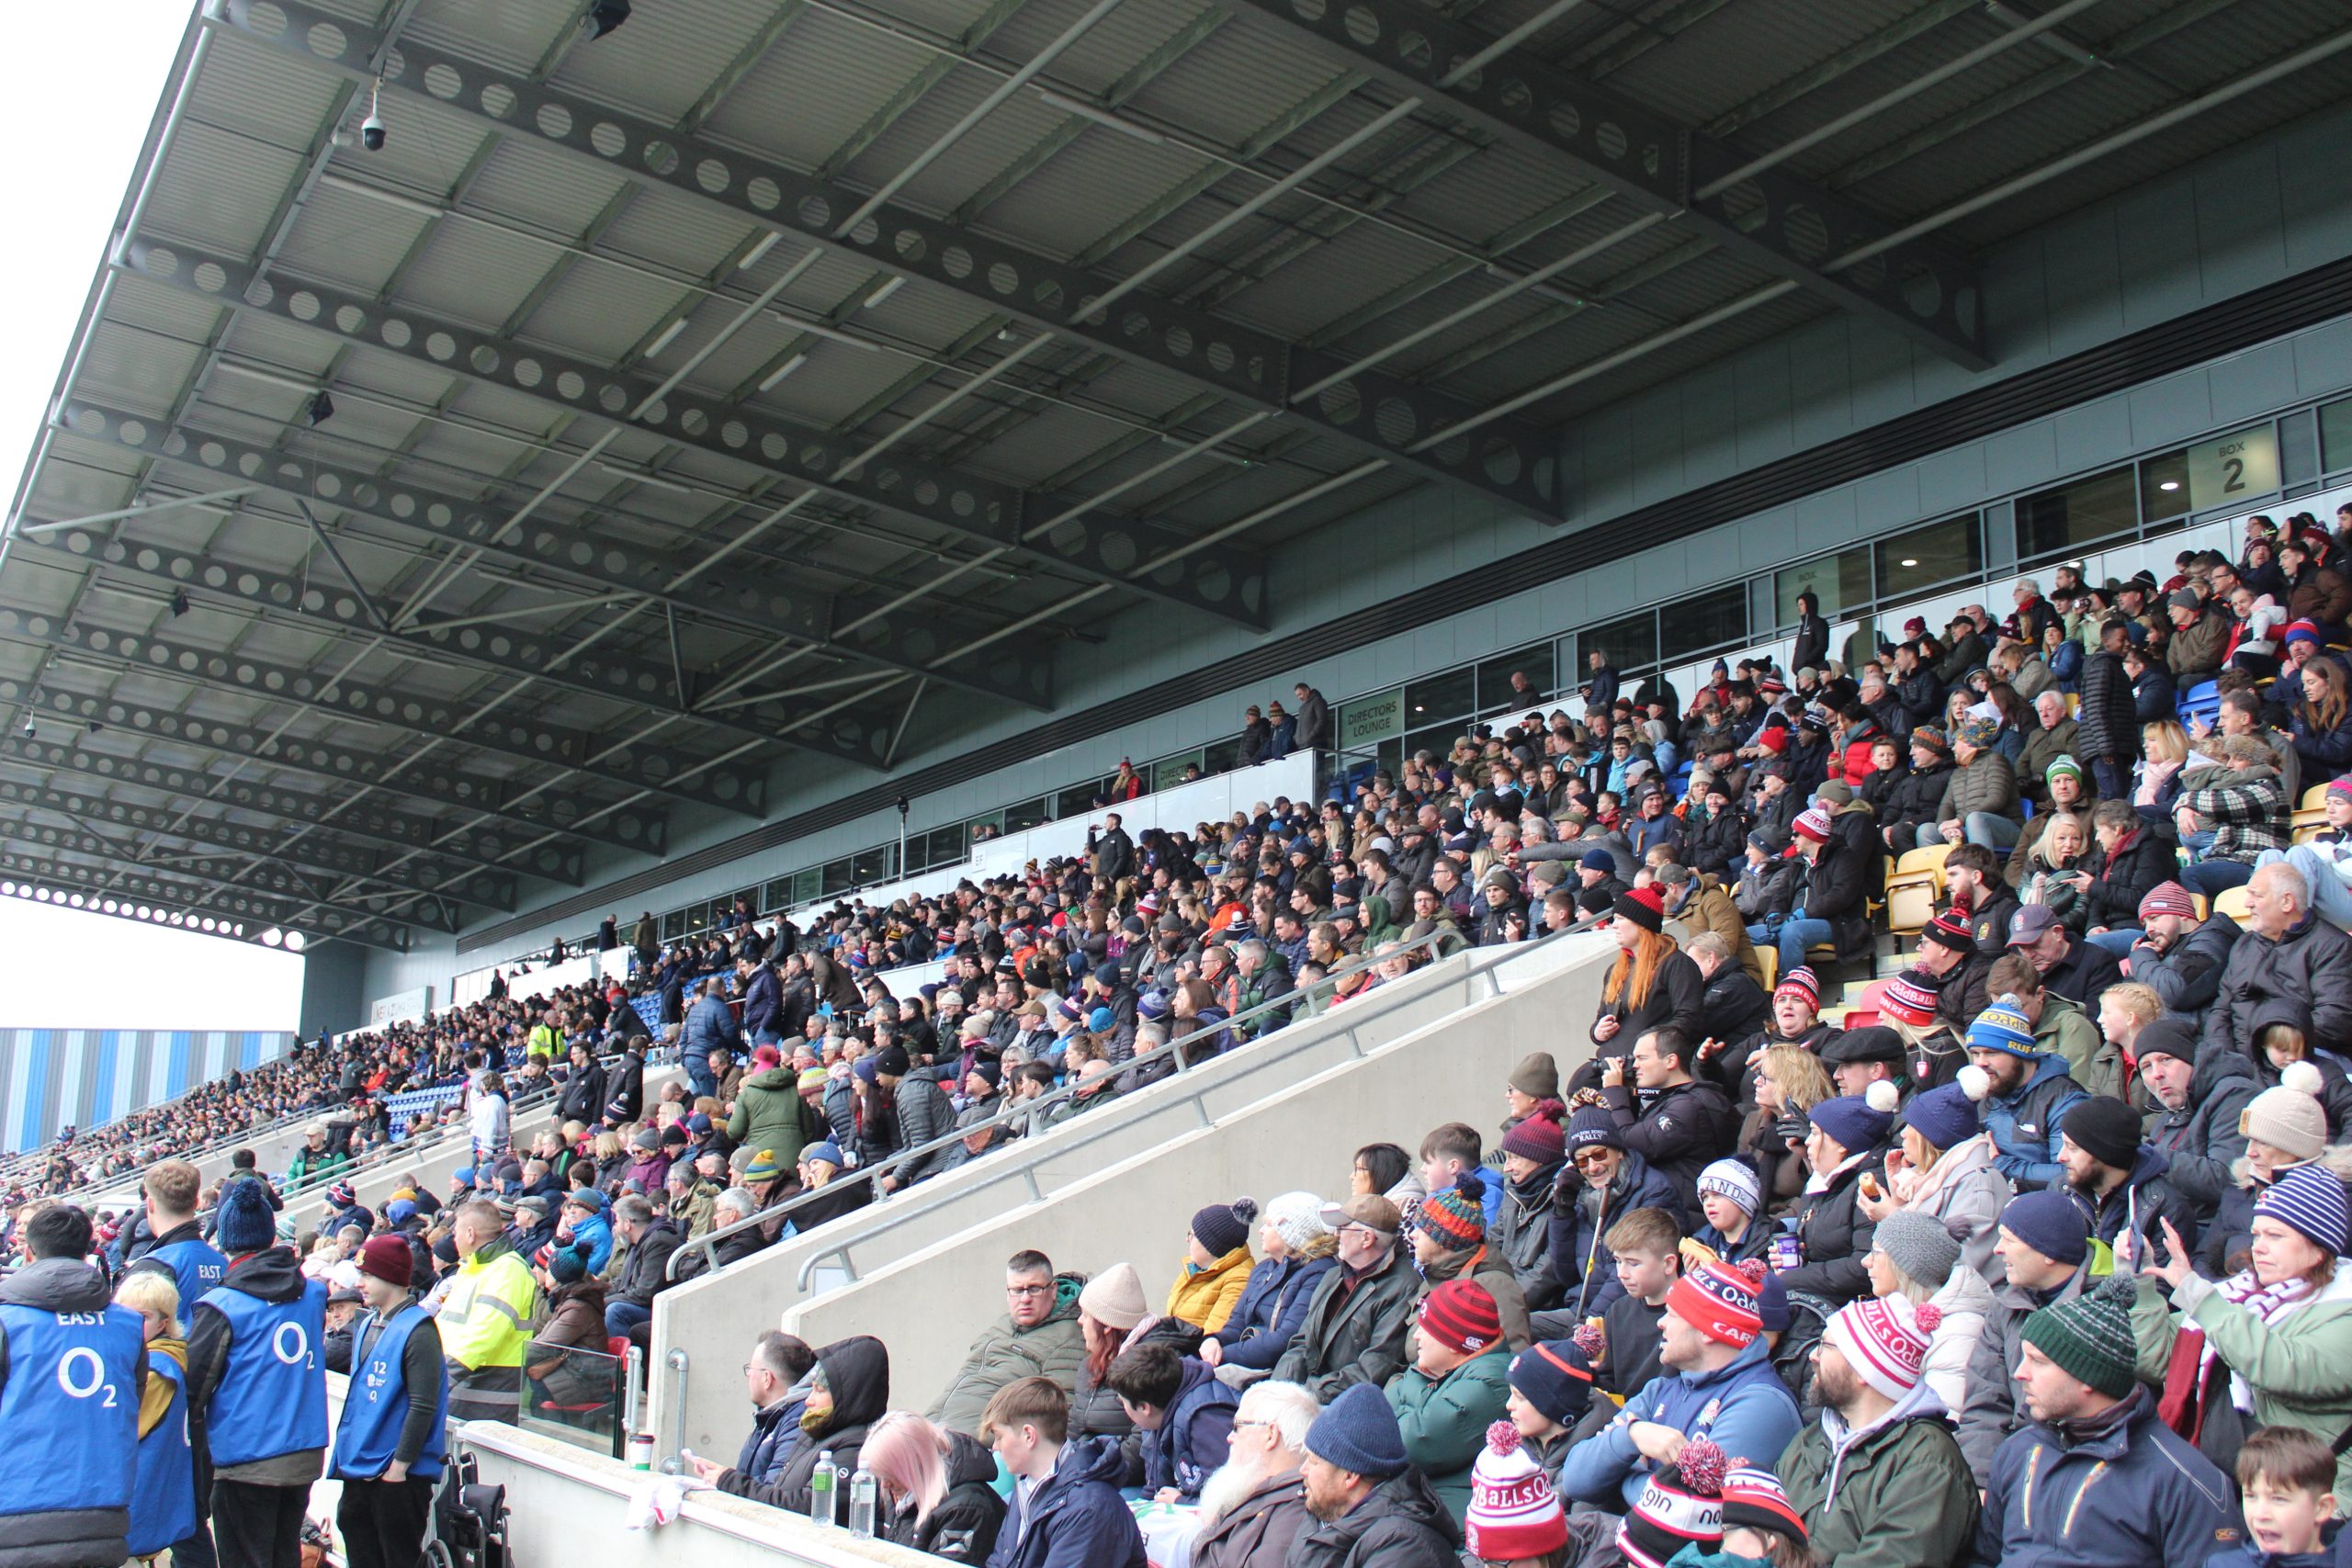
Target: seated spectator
[1645, 1247]
[1878, 1477]
[2286, 953]
[776, 1377]
[1795, 1021]
[1979, 804]
[1789, 1081]
[1915, 1258]
[2180, 956]
[1384, 1170]
[2117, 1176]
[1297, 1250]
[1513, 1516]
[2200, 1110]
[1731, 1201]
[1357, 1321]
[1216, 1265]
[1254, 1506]
[644, 1273]
[2028, 1092]
[1551, 1388]
[1449, 1242]
[847, 1392]
[1369, 1505]
[1602, 1179]
[2246, 809]
[1720, 1385]
[1065, 1506]
[1858, 1059]
[2321, 719]
[2326, 860]
[1831, 1233]
[1706, 907]
[2088, 1416]
[2288, 1479]
[1184, 1413]
[1039, 1336]
[1681, 1122]
[2069, 966]
[567, 1355]
[1114, 1313]
[1733, 1006]
[937, 1492]
[1942, 1169]
[2062, 1027]
[1534, 1153]
[1456, 1387]
[2045, 1255]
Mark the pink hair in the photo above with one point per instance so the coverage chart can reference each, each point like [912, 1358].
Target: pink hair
[908, 1454]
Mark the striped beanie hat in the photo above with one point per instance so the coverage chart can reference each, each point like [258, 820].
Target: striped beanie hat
[1719, 1301]
[2340, 786]
[2169, 898]
[1884, 1339]
[1457, 1216]
[1681, 1506]
[1949, 930]
[1755, 1499]
[1801, 982]
[1906, 1001]
[1461, 1314]
[1734, 1180]
[1514, 1515]
[1813, 823]
[2090, 1337]
[1931, 736]
[2003, 1027]
[2311, 1200]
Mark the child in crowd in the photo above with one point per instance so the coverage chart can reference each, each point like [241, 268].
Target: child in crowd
[1647, 1245]
[1730, 1195]
[2288, 1478]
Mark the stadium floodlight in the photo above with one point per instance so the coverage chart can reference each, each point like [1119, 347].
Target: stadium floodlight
[272, 937]
[295, 942]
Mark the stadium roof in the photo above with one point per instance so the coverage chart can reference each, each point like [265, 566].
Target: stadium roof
[770, 375]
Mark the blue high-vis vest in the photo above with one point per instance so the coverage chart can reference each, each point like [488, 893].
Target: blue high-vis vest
[197, 1265]
[69, 1412]
[375, 1405]
[163, 1492]
[273, 1394]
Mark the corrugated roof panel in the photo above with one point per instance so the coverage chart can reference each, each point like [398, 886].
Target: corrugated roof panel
[352, 239]
[661, 63]
[1241, 79]
[513, 35]
[542, 187]
[1114, 45]
[260, 92]
[427, 146]
[219, 190]
[474, 274]
[1088, 189]
[813, 90]
[134, 369]
[1733, 54]
[155, 308]
[677, 232]
[601, 312]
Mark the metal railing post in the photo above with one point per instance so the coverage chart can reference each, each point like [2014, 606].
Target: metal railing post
[677, 1361]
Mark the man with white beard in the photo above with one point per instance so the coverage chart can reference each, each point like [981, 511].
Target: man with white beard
[1253, 1507]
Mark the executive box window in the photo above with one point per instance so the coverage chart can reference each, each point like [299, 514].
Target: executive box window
[1494, 674]
[1450, 693]
[1840, 582]
[2336, 438]
[1630, 643]
[1913, 562]
[1715, 618]
[2058, 522]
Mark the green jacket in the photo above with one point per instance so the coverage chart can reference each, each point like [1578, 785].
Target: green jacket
[2068, 1031]
[1905, 1497]
[1444, 1420]
[2299, 1365]
[769, 1114]
[1056, 1349]
[306, 1169]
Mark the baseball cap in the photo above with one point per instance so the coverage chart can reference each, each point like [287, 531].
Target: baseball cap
[1366, 1209]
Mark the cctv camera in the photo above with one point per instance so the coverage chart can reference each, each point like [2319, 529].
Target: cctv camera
[371, 132]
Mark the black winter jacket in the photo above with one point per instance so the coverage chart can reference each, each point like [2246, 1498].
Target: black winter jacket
[2108, 722]
[963, 1529]
[1681, 1132]
[1836, 1237]
[2201, 1139]
[858, 1374]
[2311, 965]
[2121, 880]
[2186, 975]
[1400, 1525]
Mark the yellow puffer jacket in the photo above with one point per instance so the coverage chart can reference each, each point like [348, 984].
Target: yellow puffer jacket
[1204, 1297]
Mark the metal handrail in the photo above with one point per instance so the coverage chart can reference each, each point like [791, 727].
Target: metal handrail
[707, 1243]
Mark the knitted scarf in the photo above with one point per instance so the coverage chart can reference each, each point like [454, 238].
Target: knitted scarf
[2189, 1375]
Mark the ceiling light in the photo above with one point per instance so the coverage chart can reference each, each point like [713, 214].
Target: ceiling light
[75, 900]
[142, 911]
[2169, 484]
[321, 408]
[1910, 560]
[890, 286]
[751, 257]
[607, 14]
[110, 906]
[211, 924]
[272, 937]
[669, 336]
[781, 371]
[295, 942]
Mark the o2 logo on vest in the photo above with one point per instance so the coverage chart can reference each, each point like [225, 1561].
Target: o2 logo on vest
[294, 1354]
[82, 1376]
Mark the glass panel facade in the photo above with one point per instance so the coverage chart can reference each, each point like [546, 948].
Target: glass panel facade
[2164, 486]
[1452, 695]
[2335, 439]
[1716, 619]
[2057, 522]
[1841, 581]
[1631, 643]
[1940, 552]
[1494, 675]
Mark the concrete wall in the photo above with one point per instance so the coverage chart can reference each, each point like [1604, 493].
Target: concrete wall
[713, 1318]
[566, 1506]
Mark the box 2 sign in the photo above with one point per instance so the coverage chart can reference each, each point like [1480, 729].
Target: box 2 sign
[2229, 468]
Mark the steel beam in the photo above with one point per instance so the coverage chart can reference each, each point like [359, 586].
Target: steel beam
[543, 745]
[437, 850]
[596, 674]
[741, 595]
[318, 850]
[1776, 220]
[263, 879]
[644, 832]
[134, 881]
[1386, 415]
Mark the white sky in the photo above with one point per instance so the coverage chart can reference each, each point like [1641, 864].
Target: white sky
[78, 88]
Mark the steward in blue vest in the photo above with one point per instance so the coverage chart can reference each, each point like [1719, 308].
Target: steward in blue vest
[395, 1431]
[256, 1380]
[71, 1366]
[163, 1492]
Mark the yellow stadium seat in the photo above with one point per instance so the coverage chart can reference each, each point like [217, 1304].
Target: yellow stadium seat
[1912, 890]
[2314, 799]
[1770, 957]
[2233, 902]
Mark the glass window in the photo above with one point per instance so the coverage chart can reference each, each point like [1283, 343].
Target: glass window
[1450, 695]
[776, 895]
[1841, 582]
[2060, 521]
[873, 864]
[945, 846]
[1221, 756]
[1631, 643]
[673, 925]
[1169, 771]
[1437, 740]
[2336, 438]
[808, 885]
[1913, 562]
[1494, 677]
[2163, 485]
[1715, 618]
[1025, 813]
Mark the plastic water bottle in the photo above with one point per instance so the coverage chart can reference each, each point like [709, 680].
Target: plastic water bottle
[863, 1491]
[821, 1482]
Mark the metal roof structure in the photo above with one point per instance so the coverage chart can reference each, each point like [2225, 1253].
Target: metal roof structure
[683, 382]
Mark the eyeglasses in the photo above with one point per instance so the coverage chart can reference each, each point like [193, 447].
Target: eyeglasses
[1029, 1289]
[1591, 1157]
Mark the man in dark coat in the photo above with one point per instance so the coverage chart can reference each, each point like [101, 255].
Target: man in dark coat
[2199, 1102]
[1357, 1321]
[1371, 1509]
[2075, 970]
[2108, 722]
[1313, 718]
[1681, 1123]
[2110, 1168]
[2287, 952]
[2178, 956]
[1065, 1511]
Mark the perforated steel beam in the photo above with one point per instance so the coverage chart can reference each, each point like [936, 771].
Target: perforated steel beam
[495, 649]
[1392, 418]
[545, 745]
[433, 783]
[263, 878]
[129, 881]
[731, 593]
[318, 851]
[1778, 222]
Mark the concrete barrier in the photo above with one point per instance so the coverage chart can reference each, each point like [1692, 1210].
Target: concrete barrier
[566, 1506]
[1463, 1050]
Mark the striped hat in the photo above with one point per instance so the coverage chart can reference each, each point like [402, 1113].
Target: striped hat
[1803, 982]
[1734, 1180]
[2067, 765]
[2003, 1027]
[1681, 1506]
[1905, 1001]
[1756, 1500]
[1461, 1314]
[2340, 786]
[2170, 899]
[2311, 1200]
[1884, 1339]
[1978, 732]
[1457, 1216]
[2089, 1338]
[1813, 823]
[1514, 1515]
[1719, 1301]
[1950, 930]
[1931, 736]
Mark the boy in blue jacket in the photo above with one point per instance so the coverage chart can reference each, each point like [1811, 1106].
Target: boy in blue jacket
[2288, 1479]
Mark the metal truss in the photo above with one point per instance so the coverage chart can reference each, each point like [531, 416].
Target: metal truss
[1776, 220]
[323, 849]
[35, 860]
[546, 746]
[730, 592]
[1396, 419]
[643, 832]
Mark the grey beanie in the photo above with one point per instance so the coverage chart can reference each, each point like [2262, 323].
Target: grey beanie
[1919, 1245]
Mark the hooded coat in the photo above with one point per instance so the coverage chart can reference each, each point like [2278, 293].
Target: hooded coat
[1205, 1297]
[2186, 975]
[1444, 1419]
[1889, 1495]
[1401, 1523]
[1074, 1517]
[964, 1527]
[1190, 1442]
[1965, 1191]
[770, 1115]
[2024, 1125]
[1272, 1305]
[67, 1538]
[857, 1372]
[1743, 1405]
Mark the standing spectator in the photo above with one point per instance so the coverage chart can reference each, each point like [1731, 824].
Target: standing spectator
[72, 1366]
[264, 1411]
[176, 1246]
[1314, 729]
[925, 1116]
[1038, 1337]
[2108, 721]
[1065, 1511]
[2160, 1500]
[1254, 1506]
[709, 1027]
[390, 1442]
[1653, 982]
[486, 1308]
[1370, 1506]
